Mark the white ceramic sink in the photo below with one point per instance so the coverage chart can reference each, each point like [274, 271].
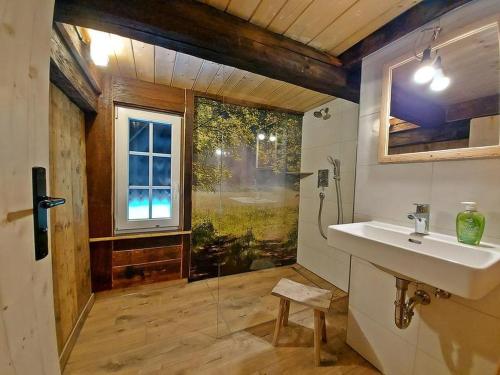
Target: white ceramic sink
[436, 259]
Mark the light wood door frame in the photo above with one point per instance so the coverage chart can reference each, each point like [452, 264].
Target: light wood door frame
[27, 326]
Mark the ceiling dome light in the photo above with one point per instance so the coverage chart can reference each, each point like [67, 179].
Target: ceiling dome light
[440, 82]
[425, 73]
[261, 136]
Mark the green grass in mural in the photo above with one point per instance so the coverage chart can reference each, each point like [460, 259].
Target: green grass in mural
[271, 223]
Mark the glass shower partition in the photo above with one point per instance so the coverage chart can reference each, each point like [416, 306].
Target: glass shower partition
[245, 201]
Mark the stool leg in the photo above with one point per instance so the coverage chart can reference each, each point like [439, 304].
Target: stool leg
[317, 337]
[323, 326]
[279, 321]
[286, 312]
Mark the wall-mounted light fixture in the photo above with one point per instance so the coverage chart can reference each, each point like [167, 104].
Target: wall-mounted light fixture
[431, 69]
[100, 47]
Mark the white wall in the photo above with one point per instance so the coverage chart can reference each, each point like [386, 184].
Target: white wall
[27, 325]
[337, 137]
[455, 336]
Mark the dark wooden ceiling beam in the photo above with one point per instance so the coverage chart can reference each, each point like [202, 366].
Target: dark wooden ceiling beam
[405, 23]
[199, 30]
[68, 75]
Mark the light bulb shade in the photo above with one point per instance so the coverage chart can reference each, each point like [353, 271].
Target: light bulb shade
[424, 74]
[426, 70]
[261, 136]
[272, 138]
[440, 82]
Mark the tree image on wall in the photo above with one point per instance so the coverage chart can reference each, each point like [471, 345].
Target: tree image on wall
[245, 200]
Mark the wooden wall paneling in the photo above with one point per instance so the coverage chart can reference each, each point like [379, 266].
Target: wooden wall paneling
[266, 11]
[62, 112]
[206, 76]
[101, 265]
[288, 14]
[186, 256]
[186, 70]
[164, 65]
[78, 175]
[99, 151]
[144, 58]
[66, 73]
[106, 275]
[146, 255]
[124, 56]
[316, 18]
[220, 79]
[69, 223]
[125, 276]
[243, 8]
[146, 94]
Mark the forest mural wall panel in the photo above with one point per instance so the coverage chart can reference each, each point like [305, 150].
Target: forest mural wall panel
[245, 193]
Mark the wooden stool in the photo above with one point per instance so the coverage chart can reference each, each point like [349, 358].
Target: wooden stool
[317, 299]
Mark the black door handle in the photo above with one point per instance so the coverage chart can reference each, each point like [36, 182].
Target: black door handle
[41, 203]
[49, 202]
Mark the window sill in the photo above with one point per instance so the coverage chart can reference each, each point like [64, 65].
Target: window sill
[139, 235]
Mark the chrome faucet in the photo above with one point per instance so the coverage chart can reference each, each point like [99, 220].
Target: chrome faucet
[421, 217]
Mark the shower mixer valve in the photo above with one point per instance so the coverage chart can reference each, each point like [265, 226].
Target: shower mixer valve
[323, 178]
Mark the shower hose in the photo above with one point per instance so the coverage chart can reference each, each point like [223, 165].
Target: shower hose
[340, 211]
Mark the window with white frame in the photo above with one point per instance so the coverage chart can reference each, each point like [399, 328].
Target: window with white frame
[147, 170]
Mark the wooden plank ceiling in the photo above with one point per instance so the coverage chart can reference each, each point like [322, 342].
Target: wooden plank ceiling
[134, 59]
[331, 26]
[328, 25]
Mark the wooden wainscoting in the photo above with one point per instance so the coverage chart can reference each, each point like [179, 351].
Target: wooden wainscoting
[142, 266]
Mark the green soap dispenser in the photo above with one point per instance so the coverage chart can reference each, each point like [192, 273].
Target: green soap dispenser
[470, 224]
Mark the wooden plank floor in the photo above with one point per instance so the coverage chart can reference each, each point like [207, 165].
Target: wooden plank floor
[175, 328]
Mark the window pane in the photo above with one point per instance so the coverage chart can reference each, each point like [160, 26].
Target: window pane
[138, 204]
[162, 138]
[162, 203]
[161, 171]
[138, 170]
[138, 136]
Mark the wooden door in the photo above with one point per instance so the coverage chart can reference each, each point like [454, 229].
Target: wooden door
[27, 329]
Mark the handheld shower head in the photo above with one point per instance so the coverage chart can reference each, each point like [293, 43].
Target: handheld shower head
[336, 167]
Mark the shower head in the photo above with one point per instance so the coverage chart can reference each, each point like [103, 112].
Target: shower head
[322, 113]
[336, 167]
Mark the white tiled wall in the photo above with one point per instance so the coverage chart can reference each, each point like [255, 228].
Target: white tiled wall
[336, 137]
[454, 336]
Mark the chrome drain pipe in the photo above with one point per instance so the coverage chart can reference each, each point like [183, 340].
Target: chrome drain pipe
[404, 310]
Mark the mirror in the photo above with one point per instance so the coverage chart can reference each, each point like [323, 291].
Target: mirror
[443, 103]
